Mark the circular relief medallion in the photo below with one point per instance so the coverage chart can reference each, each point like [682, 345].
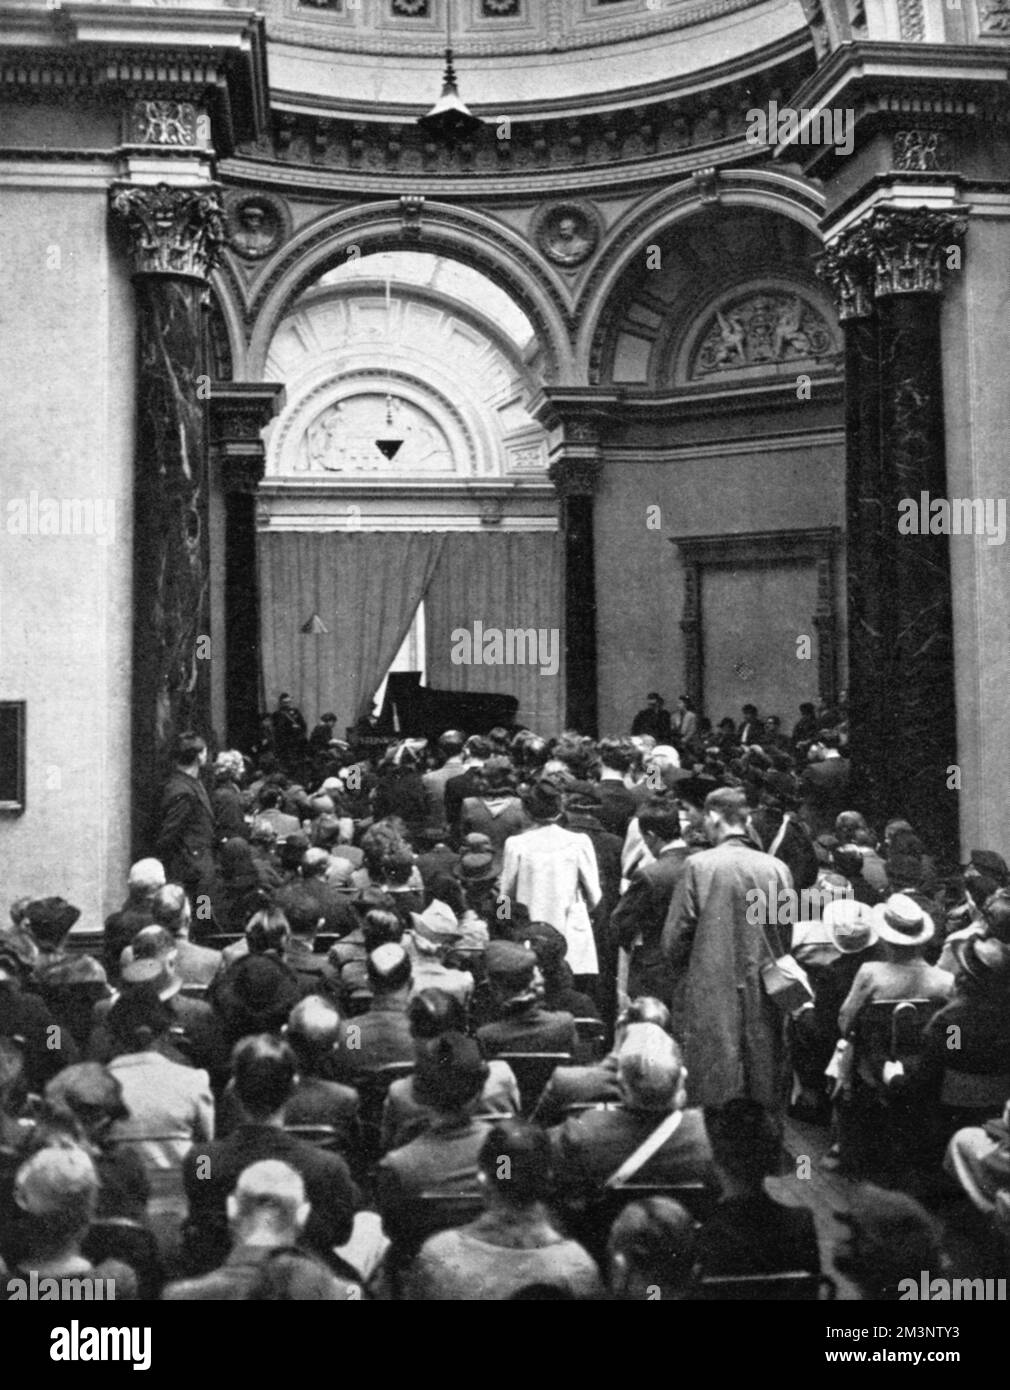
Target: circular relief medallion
[567, 233]
[257, 224]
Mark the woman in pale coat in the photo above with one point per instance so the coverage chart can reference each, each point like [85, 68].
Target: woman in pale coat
[553, 873]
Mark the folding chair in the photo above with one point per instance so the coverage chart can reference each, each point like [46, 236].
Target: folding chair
[592, 1035]
[190, 991]
[532, 1071]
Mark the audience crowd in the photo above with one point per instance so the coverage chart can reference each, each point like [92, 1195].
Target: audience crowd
[506, 1017]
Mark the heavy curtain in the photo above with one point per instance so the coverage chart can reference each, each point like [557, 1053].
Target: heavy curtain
[365, 587]
[506, 580]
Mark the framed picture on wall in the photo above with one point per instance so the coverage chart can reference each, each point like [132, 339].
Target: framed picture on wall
[12, 756]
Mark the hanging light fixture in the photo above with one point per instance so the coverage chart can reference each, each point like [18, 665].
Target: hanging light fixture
[314, 626]
[389, 447]
[450, 120]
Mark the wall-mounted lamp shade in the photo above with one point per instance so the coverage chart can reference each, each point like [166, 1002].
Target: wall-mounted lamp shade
[314, 626]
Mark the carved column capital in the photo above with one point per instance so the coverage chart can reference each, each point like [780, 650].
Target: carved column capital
[239, 412]
[173, 231]
[910, 247]
[896, 250]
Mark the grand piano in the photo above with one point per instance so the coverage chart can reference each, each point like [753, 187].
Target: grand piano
[412, 710]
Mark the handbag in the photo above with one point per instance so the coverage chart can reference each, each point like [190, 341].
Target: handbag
[785, 981]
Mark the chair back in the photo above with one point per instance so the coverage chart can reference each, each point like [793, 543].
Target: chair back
[963, 1090]
[590, 1220]
[886, 1029]
[191, 991]
[320, 1136]
[372, 1089]
[592, 1036]
[792, 1286]
[532, 1071]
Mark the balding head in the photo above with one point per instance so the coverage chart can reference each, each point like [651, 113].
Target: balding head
[650, 1069]
[170, 909]
[145, 878]
[313, 1031]
[269, 1197]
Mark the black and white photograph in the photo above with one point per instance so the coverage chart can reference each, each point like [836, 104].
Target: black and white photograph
[503, 655]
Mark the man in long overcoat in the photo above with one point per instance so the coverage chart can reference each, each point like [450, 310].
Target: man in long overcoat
[723, 925]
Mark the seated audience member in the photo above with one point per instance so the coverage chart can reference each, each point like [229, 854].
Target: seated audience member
[383, 1034]
[514, 1244]
[638, 919]
[598, 1082]
[267, 1214]
[978, 1157]
[847, 861]
[903, 929]
[967, 920]
[303, 912]
[349, 955]
[271, 799]
[196, 1037]
[264, 1071]
[444, 1157]
[263, 843]
[964, 1085]
[559, 992]
[240, 891]
[749, 1232]
[652, 1246]
[23, 1015]
[477, 881]
[435, 932]
[257, 990]
[70, 984]
[56, 1192]
[381, 926]
[313, 1032]
[85, 1101]
[170, 1106]
[617, 802]
[431, 1014]
[890, 1237]
[170, 908]
[145, 879]
[389, 865]
[522, 1024]
[591, 1146]
[329, 880]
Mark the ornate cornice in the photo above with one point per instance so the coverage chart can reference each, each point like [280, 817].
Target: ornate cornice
[575, 477]
[173, 231]
[891, 251]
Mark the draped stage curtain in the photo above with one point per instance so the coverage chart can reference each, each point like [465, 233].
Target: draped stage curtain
[507, 579]
[365, 587]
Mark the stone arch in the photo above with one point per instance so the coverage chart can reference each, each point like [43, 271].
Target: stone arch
[474, 239]
[226, 300]
[786, 195]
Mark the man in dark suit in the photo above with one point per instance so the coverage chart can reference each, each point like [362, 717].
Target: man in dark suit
[824, 786]
[383, 1034]
[582, 814]
[752, 729]
[617, 802]
[522, 1025]
[264, 1071]
[469, 782]
[290, 731]
[185, 841]
[592, 1146]
[654, 719]
[638, 920]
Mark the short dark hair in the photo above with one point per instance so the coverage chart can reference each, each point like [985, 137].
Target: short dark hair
[654, 695]
[327, 719]
[660, 817]
[728, 802]
[301, 907]
[616, 753]
[517, 1162]
[386, 976]
[264, 1069]
[381, 925]
[433, 1012]
[188, 747]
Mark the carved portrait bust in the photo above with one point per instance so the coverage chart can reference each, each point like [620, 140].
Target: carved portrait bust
[256, 225]
[567, 233]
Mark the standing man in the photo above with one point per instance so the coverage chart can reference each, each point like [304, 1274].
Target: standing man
[638, 920]
[717, 937]
[290, 731]
[185, 842]
[654, 719]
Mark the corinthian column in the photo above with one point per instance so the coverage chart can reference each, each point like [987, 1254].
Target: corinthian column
[175, 235]
[887, 271]
[574, 476]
